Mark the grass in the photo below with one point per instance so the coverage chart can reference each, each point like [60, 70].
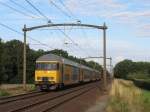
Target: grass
[146, 100]
[126, 97]
[15, 89]
[4, 93]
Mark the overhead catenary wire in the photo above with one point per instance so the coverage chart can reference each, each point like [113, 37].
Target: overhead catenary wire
[4, 4]
[69, 17]
[22, 19]
[85, 35]
[66, 14]
[52, 23]
[27, 36]
[67, 9]
[11, 28]
[42, 43]
[22, 7]
[67, 43]
[16, 10]
[48, 20]
[77, 45]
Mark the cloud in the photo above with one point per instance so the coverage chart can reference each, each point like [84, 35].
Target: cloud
[129, 17]
[109, 9]
[118, 59]
[130, 14]
[143, 31]
[93, 7]
[119, 44]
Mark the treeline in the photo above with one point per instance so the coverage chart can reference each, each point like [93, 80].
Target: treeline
[11, 61]
[138, 72]
[129, 69]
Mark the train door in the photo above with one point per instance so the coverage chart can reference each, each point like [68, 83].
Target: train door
[81, 75]
[61, 72]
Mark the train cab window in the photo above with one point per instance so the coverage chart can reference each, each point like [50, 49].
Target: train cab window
[47, 66]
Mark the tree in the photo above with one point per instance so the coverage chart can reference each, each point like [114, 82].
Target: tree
[95, 65]
[59, 52]
[122, 69]
[12, 61]
[130, 69]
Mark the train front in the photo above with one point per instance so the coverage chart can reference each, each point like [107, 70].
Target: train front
[46, 75]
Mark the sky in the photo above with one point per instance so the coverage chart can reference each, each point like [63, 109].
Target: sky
[128, 22]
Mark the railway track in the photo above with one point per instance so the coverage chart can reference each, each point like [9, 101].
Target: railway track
[47, 102]
[71, 97]
[20, 97]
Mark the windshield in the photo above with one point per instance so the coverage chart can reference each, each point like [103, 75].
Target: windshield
[47, 66]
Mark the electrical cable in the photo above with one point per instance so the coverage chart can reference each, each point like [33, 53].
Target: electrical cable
[21, 6]
[67, 9]
[38, 10]
[27, 36]
[60, 9]
[16, 10]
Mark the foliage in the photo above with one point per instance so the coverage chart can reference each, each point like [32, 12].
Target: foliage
[134, 70]
[11, 61]
[4, 93]
[138, 75]
[146, 99]
[142, 83]
[123, 68]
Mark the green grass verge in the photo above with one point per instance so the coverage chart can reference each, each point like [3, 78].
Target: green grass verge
[145, 100]
[118, 105]
[15, 89]
[4, 93]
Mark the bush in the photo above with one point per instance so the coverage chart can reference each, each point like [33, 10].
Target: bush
[144, 84]
[138, 75]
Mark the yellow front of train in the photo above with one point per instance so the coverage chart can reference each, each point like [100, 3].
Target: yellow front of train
[47, 74]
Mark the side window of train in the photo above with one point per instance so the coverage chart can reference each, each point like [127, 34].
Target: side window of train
[66, 77]
[75, 72]
[66, 69]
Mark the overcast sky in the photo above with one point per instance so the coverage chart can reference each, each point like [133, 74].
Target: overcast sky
[128, 21]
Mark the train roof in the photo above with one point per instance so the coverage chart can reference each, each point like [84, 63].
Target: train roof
[53, 57]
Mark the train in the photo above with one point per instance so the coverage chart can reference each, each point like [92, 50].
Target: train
[54, 72]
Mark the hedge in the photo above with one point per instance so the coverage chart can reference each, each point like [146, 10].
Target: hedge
[144, 84]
